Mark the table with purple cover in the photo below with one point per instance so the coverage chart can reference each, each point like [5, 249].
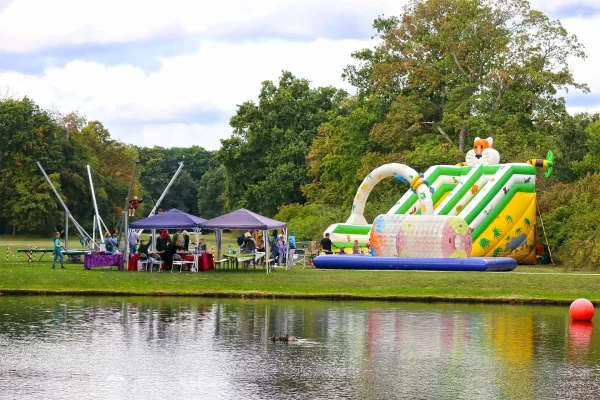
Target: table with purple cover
[103, 260]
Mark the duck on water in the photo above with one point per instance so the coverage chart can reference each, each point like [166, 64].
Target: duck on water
[283, 339]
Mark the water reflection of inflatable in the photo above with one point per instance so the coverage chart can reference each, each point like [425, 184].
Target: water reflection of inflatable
[581, 335]
[477, 210]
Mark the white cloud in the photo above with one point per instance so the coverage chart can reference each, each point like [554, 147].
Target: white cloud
[27, 25]
[587, 31]
[184, 135]
[166, 107]
[554, 5]
[212, 80]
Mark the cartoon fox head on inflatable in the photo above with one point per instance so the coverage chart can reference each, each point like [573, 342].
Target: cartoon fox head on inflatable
[483, 153]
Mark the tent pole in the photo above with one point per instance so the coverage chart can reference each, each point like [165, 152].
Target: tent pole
[287, 251]
[219, 243]
[266, 240]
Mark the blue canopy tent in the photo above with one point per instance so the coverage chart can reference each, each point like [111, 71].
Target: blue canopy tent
[170, 219]
[243, 219]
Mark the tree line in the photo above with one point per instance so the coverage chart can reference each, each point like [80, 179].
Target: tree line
[64, 145]
[438, 75]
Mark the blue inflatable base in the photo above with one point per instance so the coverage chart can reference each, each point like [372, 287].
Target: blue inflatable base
[366, 262]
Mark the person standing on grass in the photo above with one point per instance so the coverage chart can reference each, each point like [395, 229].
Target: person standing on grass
[292, 243]
[186, 241]
[326, 244]
[168, 253]
[133, 241]
[179, 240]
[281, 250]
[58, 246]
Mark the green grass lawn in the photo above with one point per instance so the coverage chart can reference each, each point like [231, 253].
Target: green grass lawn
[38, 278]
[526, 284]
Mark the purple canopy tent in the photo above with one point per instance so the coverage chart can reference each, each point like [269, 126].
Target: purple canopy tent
[243, 219]
[170, 219]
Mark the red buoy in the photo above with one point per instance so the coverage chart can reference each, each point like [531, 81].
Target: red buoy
[582, 310]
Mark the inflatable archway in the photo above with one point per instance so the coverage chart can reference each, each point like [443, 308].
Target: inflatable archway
[401, 172]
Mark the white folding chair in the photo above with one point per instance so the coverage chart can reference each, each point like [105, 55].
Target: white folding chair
[177, 261]
[156, 261]
[144, 261]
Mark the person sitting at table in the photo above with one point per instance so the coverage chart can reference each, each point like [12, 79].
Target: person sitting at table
[161, 242]
[115, 241]
[168, 253]
[108, 244]
[249, 248]
[260, 244]
[186, 241]
[143, 252]
[143, 248]
[201, 245]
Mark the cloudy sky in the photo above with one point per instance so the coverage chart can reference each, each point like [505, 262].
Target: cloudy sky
[171, 73]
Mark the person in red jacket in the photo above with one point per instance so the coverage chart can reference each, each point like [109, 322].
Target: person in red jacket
[133, 205]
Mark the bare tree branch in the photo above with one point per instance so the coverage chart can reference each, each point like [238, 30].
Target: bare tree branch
[440, 130]
[5, 94]
[459, 67]
[445, 135]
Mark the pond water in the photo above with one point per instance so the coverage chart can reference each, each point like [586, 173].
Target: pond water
[160, 348]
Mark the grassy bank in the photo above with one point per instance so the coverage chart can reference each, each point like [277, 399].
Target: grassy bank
[532, 285]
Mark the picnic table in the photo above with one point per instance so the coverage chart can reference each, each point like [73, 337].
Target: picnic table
[202, 261]
[243, 257]
[31, 253]
[103, 260]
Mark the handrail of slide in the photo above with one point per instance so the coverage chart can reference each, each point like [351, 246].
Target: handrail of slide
[399, 171]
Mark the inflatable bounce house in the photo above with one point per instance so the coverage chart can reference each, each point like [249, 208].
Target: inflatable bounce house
[478, 215]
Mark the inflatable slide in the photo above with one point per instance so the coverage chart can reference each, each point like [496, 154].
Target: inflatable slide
[496, 201]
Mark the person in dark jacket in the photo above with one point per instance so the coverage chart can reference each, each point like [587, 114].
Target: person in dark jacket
[143, 248]
[161, 242]
[186, 241]
[168, 253]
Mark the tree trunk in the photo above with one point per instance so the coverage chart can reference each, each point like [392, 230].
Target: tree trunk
[14, 230]
[461, 138]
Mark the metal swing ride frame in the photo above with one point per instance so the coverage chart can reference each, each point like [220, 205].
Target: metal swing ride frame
[125, 223]
[68, 215]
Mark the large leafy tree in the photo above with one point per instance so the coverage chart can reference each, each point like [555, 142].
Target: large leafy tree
[158, 166]
[30, 134]
[265, 159]
[462, 68]
[211, 193]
